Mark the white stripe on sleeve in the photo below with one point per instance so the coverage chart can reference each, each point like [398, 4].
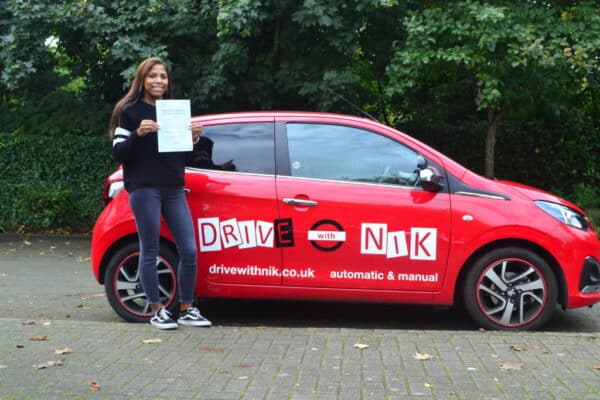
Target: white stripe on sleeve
[118, 140]
[123, 132]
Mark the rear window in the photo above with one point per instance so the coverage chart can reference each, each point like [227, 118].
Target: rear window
[237, 147]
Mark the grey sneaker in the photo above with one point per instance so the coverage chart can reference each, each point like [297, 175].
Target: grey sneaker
[192, 317]
[163, 320]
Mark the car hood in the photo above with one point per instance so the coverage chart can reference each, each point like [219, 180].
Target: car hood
[514, 189]
[533, 194]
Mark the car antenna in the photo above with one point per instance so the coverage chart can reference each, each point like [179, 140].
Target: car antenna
[352, 105]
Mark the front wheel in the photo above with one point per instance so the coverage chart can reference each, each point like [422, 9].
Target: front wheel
[510, 289]
[124, 289]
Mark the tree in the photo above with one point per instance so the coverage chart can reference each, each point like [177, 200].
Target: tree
[229, 55]
[510, 55]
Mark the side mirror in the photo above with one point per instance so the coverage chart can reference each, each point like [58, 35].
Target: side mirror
[430, 178]
[421, 162]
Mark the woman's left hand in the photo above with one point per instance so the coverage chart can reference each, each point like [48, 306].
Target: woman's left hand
[196, 131]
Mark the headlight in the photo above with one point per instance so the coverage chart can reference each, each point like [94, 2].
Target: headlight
[564, 214]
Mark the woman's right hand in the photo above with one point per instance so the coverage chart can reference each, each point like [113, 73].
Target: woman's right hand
[147, 126]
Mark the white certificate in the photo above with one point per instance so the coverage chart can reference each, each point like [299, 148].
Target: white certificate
[174, 118]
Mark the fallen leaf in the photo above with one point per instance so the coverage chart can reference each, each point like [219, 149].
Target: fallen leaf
[361, 346]
[155, 340]
[419, 356]
[93, 296]
[597, 366]
[428, 385]
[49, 364]
[511, 366]
[212, 349]
[66, 350]
[518, 348]
[243, 365]
[28, 323]
[39, 338]
[94, 386]
[296, 385]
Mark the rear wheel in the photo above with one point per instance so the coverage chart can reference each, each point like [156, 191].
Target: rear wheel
[123, 287]
[510, 289]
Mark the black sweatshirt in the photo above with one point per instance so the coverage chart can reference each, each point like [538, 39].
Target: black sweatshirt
[143, 165]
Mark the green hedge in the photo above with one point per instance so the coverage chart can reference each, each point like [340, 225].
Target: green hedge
[52, 183]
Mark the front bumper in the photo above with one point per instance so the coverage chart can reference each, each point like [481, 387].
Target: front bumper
[589, 282]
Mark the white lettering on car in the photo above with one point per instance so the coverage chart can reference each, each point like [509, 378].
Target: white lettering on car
[209, 234]
[255, 270]
[332, 236]
[423, 243]
[375, 275]
[230, 233]
[375, 239]
[215, 235]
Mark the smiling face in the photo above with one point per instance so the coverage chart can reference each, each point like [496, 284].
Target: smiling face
[156, 83]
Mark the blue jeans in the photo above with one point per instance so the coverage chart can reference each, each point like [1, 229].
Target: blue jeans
[148, 204]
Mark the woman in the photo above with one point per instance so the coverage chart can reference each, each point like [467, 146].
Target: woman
[155, 182]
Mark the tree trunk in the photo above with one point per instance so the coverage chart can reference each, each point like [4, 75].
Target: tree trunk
[494, 119]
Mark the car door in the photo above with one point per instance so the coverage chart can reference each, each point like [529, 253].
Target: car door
[231, 192]
[359, 216]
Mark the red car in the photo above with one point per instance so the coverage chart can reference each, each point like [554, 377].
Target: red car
[291, 205]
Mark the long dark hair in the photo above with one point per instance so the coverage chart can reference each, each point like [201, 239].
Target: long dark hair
[136, 91]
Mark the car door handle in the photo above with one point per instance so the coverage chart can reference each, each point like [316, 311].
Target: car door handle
[299, 202]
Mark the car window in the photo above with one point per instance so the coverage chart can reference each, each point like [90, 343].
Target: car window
[236, 147]
[345, 153]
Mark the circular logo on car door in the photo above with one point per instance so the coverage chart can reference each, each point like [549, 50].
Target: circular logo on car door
[327, 235]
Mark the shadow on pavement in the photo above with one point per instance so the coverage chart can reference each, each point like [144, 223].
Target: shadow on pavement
[368, 316]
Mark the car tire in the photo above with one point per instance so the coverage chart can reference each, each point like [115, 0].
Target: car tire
[123, 287]
[510, 288]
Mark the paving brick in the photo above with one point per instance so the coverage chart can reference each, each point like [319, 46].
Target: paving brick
[244, 363]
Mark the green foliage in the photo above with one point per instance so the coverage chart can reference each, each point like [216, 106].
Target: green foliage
[52, 183]
[443, 71]
[511, 55]
[47, 206]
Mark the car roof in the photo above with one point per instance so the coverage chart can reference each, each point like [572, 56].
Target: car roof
[272, 115]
